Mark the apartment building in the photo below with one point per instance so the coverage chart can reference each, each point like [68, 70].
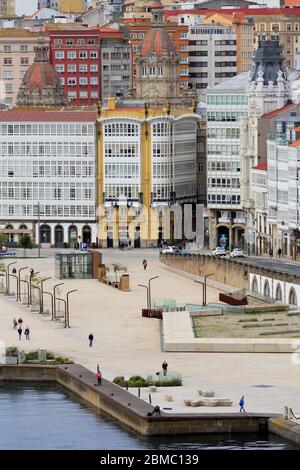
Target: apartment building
[75, 54]
[7, 7]
[17, 52]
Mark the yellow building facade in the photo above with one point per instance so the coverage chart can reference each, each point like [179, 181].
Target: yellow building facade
[147, 161]
[72, 6]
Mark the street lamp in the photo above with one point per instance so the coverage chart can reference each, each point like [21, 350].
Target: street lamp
[19, 275]
[42, 294]
[146, 287]
[7, 275]
[204, 287]
[67, 317]
[32, 273]
[149, 288]
[54, 299]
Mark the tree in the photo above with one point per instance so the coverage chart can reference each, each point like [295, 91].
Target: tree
[26, 243]
[116, 267]
[3, 239]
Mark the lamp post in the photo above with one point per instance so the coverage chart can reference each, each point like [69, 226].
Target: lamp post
[146, 287]
[39, 231]
[54, 299]
[32, 274]
[204, 285]
[67, 317]
[7, 276]
[42, 294]
[19, 275]
[149, 289]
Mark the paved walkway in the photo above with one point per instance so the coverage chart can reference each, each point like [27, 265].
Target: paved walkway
[127, 344]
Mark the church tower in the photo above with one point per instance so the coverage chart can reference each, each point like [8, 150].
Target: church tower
[158, 63]
[41, 84]
[268, 87]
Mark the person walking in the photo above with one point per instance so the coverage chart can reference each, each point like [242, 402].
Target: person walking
[242, 403]
[15, 324]
[99, 377]
[20, 322]
[279, 252]
[26, 333]
[20, 332]
[91, 339]
[145, 264]
[271, 252]
[165, 367]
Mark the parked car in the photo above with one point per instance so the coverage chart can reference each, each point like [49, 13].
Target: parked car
[237, 253]
[181, 251]
[219, 251]
[169, 249]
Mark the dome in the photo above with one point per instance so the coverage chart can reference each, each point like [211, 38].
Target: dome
[159, 42]
[39, 76]
[41, 84]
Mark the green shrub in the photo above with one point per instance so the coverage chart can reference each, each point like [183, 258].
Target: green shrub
[120, 380]
[50, 356]
[63, 360]
[168, 383]
[32, 356]
[12, 351]
[138, 383]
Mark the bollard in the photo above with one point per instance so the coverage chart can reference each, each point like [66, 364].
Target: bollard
[285, 412]
[139, 392]
[150, 399]
[126, 386]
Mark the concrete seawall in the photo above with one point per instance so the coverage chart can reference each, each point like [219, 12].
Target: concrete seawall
[284, 428]
[129, 409]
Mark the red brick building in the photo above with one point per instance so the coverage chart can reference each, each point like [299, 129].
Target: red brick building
[75, 54]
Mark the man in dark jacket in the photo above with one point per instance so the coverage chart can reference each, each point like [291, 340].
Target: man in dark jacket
[91, 339]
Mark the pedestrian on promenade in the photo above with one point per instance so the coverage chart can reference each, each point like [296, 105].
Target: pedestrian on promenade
[20, 321]
[26, 333]
[165, 367]
[99, 377]
[279, 252]
[271, 252]
[14, 271]
[20, 332]
[91, 339]
[242, 403]
[145, 264]
[15, 324]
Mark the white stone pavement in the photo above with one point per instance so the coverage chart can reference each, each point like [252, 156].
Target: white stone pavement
[127, 344]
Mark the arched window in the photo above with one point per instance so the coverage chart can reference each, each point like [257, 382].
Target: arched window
[292, 297]
[254, 285]
[278, 292]
[267, 289]
[45, 234]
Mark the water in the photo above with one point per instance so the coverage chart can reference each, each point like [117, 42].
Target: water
[46, 416]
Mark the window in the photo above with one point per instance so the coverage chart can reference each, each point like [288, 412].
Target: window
[91, 42]
[289, 27]
[59, 55]
[80, 42]
[71, 81]
[62, 81]
[7, 61]
[72, 68]
[8, 88]
[184, 47]
[72, 55]
[7, 48]
[24, 61]
[183, 36]
[82, 68]
[83, 81]
[141, 35]
[58, 42]
[94, 81]
[94, 68]
[69, 42]
[82, 55]
[94, 55]
[94, 95]
[83, 95]
[60, 68]
[72, 95]
[7, 74]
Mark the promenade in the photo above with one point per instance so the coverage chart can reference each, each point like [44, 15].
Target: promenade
[127, 344]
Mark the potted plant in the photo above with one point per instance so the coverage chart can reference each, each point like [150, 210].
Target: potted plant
[12, 356]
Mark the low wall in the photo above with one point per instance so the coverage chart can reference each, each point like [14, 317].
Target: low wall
[225, 271]
[131, 411]
[284, 428]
